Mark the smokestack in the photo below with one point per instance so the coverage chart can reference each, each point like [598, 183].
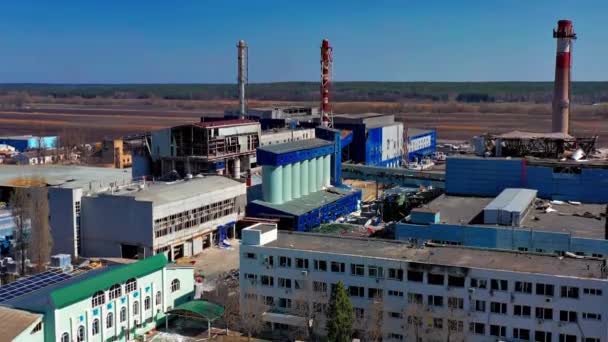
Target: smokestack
[561, 95]
[242, 77]
[326, 64]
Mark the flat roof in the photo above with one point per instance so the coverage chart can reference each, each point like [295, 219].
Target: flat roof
[569, 218]
[304, 204]
[168, 192]
[440, 255]
[14, 322]
[293, 146]
[224, 123]
[414, 132]
[64, 176]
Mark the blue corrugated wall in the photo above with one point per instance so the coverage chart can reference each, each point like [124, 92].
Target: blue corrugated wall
[500, 238]
[489, 176]
[413, 155]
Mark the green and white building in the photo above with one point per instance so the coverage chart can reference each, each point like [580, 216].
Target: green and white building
[112, 303]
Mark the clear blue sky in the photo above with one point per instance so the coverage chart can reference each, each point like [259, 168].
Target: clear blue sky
[120, 41]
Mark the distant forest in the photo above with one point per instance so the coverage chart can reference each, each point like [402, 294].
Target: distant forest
[535, 92]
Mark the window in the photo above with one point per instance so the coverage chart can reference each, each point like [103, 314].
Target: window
[567, 316]
[545, 289]
[567, 338]
[521, 310]
[434, 279]
[320, 265]
[267, 280]
[455, 281]
[522, 334]
[80, 337]
[414, 298]
[109, 320]
[414, 320]
[499, 308]
[499, 285]
[268, 300]
[374, 293]
[147, 303]
[357, 270]
[498, 330]
[544, 313]
[592, 316]
[437, 323]
[65, 337]
[479, 283]
[319, 286]
[98, 298]
[480, 306]
[319, 307]
[414, 276]
[477, 328]
[435, 300]
[159, 298]
[394, 293]
[136, 308]
[337, 267]
[455, 303]
[569, 292]
[175, 285]
[395, 274]
[542, 336]
[302, 263]
[592, 292]
[375, 272]
[394, 336]
[523, 287]
[251, 277]
[285, 283]
[95, 327]
[249, 255]
[115, 291]
[395, 315]
[285, 303]
[284, 261]
[356, 291]
[359, 313]
[454, 325]
[123, 314]
[131, 285]
[592, 339]
[269, 261]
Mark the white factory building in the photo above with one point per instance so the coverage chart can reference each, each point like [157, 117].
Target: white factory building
[178, 218]
[407, 293]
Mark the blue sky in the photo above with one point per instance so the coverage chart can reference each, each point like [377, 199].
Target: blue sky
[115, 41]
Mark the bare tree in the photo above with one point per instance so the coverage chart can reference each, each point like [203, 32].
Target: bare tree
[375, 320]
[41, 241]
[20, 205]
[252, 310]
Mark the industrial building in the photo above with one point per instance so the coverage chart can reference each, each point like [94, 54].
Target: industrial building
[376, 139]
[280, 136]
[23, 143]
[221, 146]
[67, 185]
[421, 143]
[302, 183]
[280, 116]
[403, 292]
[109, 303]
[176, 218]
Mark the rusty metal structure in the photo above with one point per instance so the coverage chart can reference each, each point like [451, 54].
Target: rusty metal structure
[326, 79]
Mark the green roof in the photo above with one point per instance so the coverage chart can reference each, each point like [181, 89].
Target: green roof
[199, 309]
[76, 292]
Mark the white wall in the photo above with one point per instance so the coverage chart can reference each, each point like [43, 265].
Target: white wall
[392, 141]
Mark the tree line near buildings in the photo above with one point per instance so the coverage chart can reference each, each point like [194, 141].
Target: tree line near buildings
[469, 92]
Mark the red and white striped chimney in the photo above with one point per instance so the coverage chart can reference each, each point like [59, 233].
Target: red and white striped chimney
[561, 95]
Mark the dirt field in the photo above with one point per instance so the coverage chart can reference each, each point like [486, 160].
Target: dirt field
[99, 120]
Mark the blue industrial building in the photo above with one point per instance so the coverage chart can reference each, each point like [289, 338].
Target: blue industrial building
[421, 143]
[561, 180]
[23, 143]
[376, 139]
[301, 183]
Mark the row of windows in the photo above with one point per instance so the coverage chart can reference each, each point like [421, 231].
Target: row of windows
[192, 218]
[115, 291]
[523, 334]
[530, 288]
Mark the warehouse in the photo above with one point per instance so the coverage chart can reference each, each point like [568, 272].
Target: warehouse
[377, 139]
[421, 143]
[457, 293]
[178, 218]
[110, 303]
[24, 143]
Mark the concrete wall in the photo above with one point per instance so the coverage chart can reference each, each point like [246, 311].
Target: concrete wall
[82, 313]
[286, 136]
[108, 221]
[63, 220]
[161, 143]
